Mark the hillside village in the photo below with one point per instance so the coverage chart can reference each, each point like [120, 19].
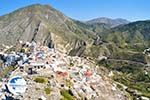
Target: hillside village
[47, 55]
[52, 75]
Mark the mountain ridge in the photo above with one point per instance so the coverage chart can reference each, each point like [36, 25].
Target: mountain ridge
[109, 21]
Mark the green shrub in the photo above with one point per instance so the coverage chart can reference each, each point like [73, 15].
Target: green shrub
[66, 95]
[40, 80]
[47, 90]
[6, 71]
[71, 64]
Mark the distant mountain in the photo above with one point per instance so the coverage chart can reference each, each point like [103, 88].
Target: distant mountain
[95, 27]
[108, 21]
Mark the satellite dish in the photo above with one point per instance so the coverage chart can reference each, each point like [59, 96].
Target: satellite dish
[17, 85]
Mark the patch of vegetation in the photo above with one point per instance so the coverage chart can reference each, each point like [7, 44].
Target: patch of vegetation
[142, 86]
[47, 90]
[131, 74]
[134, 36]
[71, 64]
[66, 95]
[40, 80]
[11, 49]
[95, 51]
[128, 55]
[121, 66]
[6, 71]
[68, 83]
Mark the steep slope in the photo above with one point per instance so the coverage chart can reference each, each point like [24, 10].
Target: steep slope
[134, 35]
[95, 27]
[43, 24]
[108, 21]
[126, 44]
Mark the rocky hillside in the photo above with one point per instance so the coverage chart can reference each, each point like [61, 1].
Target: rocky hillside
[133, 35]
[43, 24]
[126, 59]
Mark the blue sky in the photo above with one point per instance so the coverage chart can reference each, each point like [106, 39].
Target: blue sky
[88, 9]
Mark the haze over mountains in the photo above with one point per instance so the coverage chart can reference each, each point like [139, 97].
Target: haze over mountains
[121, 41]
